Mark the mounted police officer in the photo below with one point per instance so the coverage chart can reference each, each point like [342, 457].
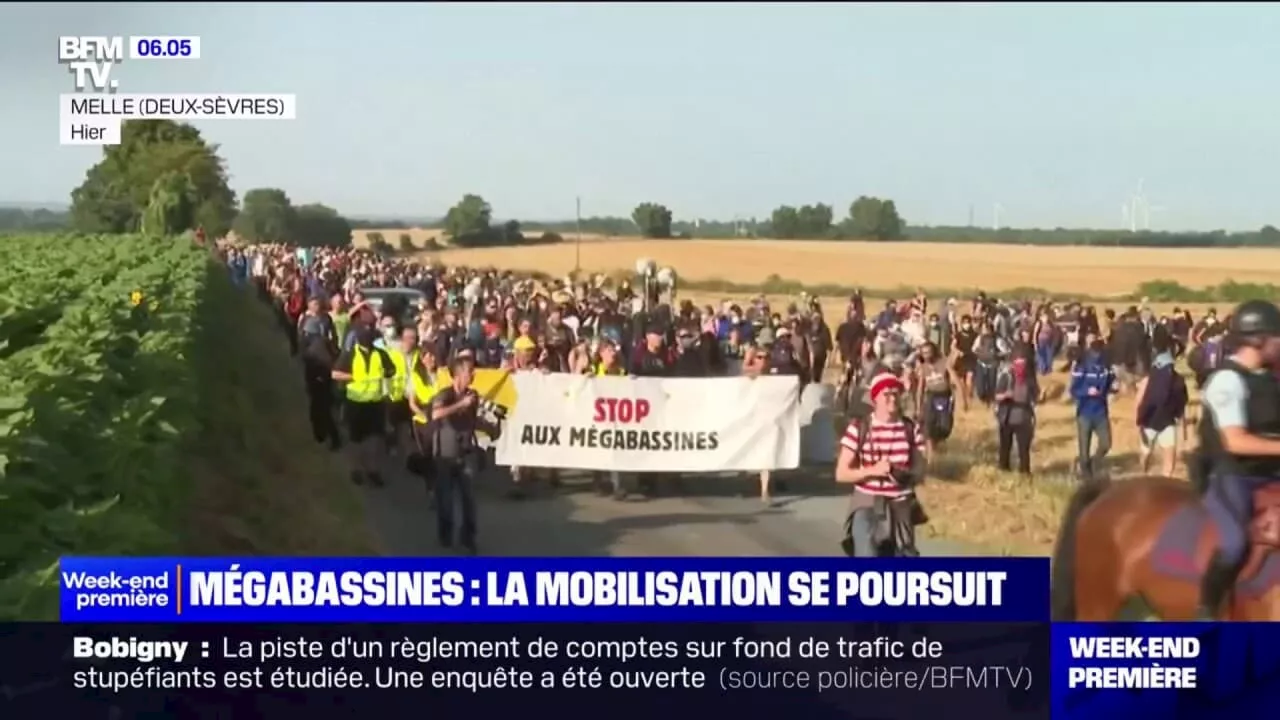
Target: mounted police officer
[1239, 442]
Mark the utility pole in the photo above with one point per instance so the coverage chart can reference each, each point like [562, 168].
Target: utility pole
[577, 245]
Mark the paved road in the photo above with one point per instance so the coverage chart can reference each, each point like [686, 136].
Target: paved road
[713, 516]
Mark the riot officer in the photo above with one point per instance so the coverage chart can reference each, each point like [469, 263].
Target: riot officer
[1239, 441]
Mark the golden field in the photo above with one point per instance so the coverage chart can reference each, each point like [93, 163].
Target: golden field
[967, 498]
[1090, 271]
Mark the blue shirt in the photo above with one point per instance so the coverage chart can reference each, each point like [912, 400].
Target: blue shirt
[1092, 373]
[1226, 397]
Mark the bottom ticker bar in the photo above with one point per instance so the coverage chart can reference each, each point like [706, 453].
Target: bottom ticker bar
[744, 671]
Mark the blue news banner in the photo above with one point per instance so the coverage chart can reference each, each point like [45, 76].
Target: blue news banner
[683, 637]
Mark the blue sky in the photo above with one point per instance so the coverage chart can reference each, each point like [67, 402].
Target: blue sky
[1055, 111]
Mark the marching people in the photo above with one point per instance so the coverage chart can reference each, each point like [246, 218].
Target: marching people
[1092, 384]
[524, 351]
[317, 340]
[935, 401]
[758, 362]
[988, 352]
[882, 457]
[1016, 392]
[1161, 410]
[424, 383]
[457, 454]
[403, 351]
[366, 370]
[515, 322]
[609, 364]
[963, 360]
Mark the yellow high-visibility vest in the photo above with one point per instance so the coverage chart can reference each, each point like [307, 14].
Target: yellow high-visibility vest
[367, 377]
[424, 392]
[396, 391]
[601, 370]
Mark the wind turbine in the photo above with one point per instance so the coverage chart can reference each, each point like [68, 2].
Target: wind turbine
[1139, 209]
[996, 209]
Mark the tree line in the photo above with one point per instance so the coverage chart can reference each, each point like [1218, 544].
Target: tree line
[164, 178]
[867, 218]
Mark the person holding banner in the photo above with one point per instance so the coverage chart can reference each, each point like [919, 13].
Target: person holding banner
[423, 387]
[609, 363]
[653, 359]
[523, 359]
[882, 456]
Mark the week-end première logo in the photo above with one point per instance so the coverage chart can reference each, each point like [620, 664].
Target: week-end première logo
[146, 586]
[1150, 663]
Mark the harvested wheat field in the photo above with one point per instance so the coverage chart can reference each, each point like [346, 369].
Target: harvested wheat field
[1089, 271]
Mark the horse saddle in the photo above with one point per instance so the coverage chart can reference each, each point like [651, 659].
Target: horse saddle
[1188, 540]
[1264, 531]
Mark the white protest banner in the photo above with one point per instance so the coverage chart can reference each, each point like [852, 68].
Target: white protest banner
[652, 424]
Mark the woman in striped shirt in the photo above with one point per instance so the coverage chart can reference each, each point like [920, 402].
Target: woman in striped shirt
[880, 456]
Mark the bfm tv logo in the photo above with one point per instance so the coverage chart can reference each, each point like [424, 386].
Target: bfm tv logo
[90, 60]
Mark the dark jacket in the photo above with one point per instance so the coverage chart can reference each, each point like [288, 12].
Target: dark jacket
[1164, 400]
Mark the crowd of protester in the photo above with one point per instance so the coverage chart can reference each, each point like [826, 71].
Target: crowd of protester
[901, 371]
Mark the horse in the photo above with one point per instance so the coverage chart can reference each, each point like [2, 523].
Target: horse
[1147, 541]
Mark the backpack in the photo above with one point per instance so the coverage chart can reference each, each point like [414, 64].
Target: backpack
[1207, 358]
[941, 417]
[316, 325]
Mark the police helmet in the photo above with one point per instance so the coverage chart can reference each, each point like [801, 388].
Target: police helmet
[1256, 318]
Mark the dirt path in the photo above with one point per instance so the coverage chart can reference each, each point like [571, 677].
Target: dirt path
[710, 518]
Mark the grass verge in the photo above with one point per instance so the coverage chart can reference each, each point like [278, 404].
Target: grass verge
[261, 485]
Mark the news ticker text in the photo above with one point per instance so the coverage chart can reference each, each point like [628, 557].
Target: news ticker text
[528, 662]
